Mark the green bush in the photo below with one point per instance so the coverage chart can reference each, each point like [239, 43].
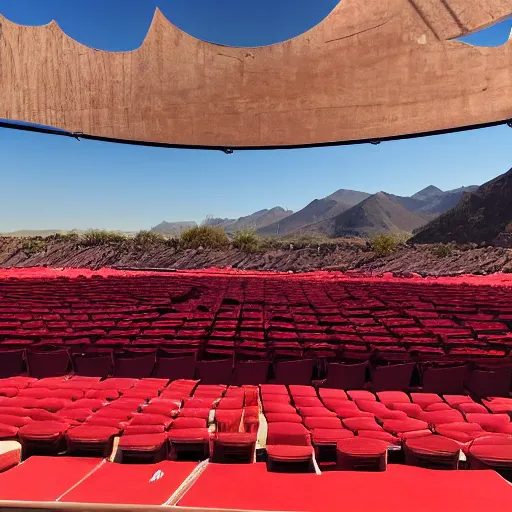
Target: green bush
[33, 246]
[204, 236]
[246, 241]
[442, 250]
[148, 239]
[385, 244]
[94, 237]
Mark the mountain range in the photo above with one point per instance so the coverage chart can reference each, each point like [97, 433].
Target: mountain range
[343, 213]
[479, 217]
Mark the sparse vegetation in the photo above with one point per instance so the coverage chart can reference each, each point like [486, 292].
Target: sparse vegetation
[66, 236]
[145, 239]
[33, 246]
[94, 237]
[204, 236]
[442, 250]
[247, 241]
[385, 244]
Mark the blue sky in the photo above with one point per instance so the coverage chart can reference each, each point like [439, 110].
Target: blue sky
[53, 182]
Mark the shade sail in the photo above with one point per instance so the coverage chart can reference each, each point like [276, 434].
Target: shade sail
[370, 70]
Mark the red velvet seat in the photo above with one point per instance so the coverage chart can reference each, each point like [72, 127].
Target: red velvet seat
[489, 422]
[283, 417]
[498, 405]
[379, 410]
[361, 454]
[288, 443]
[278, 407]
[15, 420]
[42, 437]
[80, 415]
[8, 432]
[307, 401]
[161, 408]
[228, 420]
[150, 419]
[236, 447]
[438, 406]
[491, 452]
[302, 391]
[425, 399]
[435, 452]
[143, 429]
[349, 410]
[382, 435]
[189, 443]
[274, 389]
[454, 400]
[312, 422]
[194, 413]
[361, 423]
[143, 447]
[439, 417]
[198, 403]
[182, 422]
[97, 440]
[324, 441]
[397, 427]
[320, 412]
[230, 403]
[361, 394]
[471, 407]
[393, 397]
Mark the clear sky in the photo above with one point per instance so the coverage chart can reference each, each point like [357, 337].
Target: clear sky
[58, 183]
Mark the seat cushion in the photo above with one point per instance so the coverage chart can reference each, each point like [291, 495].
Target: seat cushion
[379, 434]
[277, 417]
[188, 435]
[313, 422]
[91, 434]
[143, 429]
[394, 397]
[433, 445]
[362, 446]
[404, 425]
[287, 453]
[8, 432]
[42, 430]
[361, 423]
[142, 442]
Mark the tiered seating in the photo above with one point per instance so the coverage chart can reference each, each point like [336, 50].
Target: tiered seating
[229, 329]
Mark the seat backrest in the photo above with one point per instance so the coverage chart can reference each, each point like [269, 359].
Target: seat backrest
[345, 376]
[294, 372]
[134, 365]
[483, 382]
[214, 372]
[12, 363]
[93, 364]
[51, 363]
[393, 377]
[291, 434]
[250, 373]
[447, 380]
[175, 367]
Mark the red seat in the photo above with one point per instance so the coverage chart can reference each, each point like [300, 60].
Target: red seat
[278, 407]
[313, 422]
[194, 413]
[143, 429]
[144, 447]
[42, 437]
[231, 403]
[393, 397]
[493, 452]
[92, 439]
[160, 408]
[228, 420]
[425, 399]
[182, 422]
[435, 452]
[361, 454]
[8, 432]
[397, 427]
[361, 394]
[189, 443]
[439, 417]
[150, 419]
[307, 401]
[382, 435]
[233, 447]
[361, 423]
[288, 443]
[489, 422]
[75, 414]
[282, 417]
[321, 412]
[302, 391]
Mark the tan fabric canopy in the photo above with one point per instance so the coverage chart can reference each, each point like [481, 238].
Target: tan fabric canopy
[372, 69]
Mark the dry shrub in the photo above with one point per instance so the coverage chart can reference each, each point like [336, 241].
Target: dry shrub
[94, 237]
[247, 241]
[208, 237]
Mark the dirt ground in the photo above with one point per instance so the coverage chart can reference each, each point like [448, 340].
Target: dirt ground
[346, 256]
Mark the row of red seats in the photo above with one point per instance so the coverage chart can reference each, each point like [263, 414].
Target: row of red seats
[432, 429]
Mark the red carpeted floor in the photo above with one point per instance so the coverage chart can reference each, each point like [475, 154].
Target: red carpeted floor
[400, 488]
[45, 478]
[131, 484]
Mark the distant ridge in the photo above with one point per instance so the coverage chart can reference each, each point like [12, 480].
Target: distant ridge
[479, 216]
[255, 221]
